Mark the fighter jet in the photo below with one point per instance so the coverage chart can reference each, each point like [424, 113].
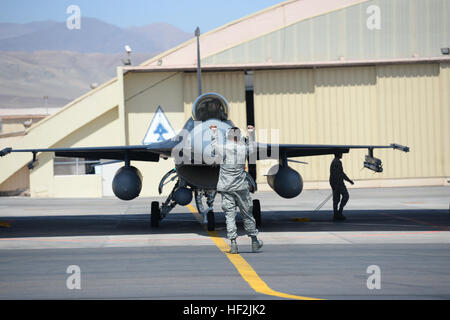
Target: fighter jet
[194, 172]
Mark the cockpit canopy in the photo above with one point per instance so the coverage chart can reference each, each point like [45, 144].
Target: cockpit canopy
[210, 106]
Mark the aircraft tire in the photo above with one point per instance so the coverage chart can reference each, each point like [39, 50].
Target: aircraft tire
[155, 215]
[211, 221]
[257, 212]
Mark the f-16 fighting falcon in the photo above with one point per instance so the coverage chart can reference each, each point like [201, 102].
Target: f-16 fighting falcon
[195, 171]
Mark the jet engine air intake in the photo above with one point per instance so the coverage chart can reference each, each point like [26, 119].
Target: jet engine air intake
[127, 183]
[285, 181]
[210, 106]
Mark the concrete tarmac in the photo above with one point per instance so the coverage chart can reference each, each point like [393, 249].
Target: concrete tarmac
[403, 232]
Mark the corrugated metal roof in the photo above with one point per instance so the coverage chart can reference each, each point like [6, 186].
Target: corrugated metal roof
[313, 31]
[269, 66]
[248, 28]
[369, 30]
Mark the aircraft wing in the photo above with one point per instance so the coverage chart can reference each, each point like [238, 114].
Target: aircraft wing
[285, 151]
[150, 152]
[265, 151]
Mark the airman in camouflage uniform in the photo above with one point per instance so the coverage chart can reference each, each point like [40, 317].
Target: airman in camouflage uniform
[233, 184]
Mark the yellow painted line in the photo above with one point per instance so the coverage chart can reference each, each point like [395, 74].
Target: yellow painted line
[243, 267]
[4, 224]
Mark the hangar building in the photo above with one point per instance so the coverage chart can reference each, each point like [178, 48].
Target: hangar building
[320, 72]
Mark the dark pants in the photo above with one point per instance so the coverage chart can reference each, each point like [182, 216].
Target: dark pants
[338, 191]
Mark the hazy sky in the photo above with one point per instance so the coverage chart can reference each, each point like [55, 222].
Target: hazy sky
[185, 14]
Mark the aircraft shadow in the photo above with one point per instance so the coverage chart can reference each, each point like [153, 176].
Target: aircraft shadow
[273, 221]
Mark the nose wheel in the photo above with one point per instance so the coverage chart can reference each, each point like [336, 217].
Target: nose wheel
[257, 212]
[155, 215]
[211, 221]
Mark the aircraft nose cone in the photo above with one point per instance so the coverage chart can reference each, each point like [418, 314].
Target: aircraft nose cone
[200, 136]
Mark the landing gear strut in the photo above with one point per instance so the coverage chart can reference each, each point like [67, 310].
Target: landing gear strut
[158, 213]
[208, 213]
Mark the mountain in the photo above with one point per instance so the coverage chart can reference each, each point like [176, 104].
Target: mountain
[25, 78]
[163, 34]
[93, 36]
[11, 30]
[47, 59]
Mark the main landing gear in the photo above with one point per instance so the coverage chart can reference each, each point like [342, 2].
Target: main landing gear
[156, 214]
[182, 195]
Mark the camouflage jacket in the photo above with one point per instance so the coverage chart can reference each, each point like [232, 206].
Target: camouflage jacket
[232, 175]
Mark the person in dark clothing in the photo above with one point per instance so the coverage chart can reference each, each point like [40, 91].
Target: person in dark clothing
[337, 177]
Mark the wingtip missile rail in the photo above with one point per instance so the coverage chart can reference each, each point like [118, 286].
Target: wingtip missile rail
[396, 146]
[376, 164]
[5, 151]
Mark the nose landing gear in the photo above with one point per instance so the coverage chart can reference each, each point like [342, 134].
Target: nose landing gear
[155, 215]
[257, 212]
[211, 224]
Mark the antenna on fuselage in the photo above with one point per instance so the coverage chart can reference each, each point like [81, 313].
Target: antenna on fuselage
[199, 69]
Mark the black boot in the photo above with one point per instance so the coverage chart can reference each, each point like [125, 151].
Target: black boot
[338, 216]
[256, 244]
[233, 246]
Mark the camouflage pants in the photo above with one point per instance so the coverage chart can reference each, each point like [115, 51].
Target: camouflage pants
[241, 199]
[210, 196]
